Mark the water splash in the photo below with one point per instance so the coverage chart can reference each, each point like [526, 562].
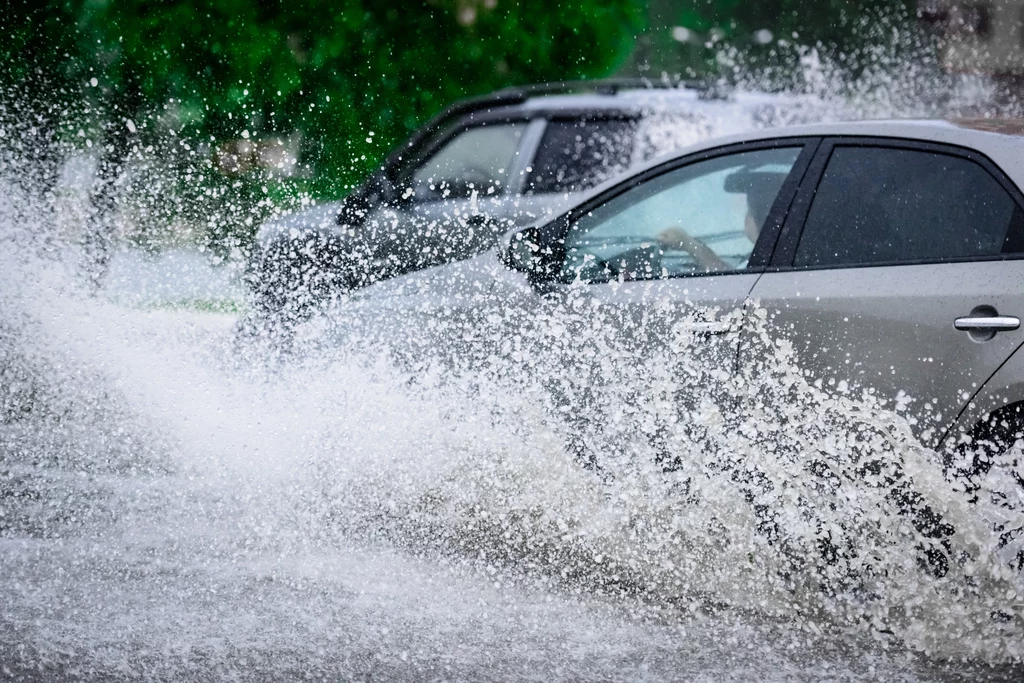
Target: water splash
[390, 496]
[645, 468]
[335, 514]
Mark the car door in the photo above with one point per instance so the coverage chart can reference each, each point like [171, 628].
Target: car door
[561, 156]
[898, 273]
[483, 179]
[652, 274]
[680, 246]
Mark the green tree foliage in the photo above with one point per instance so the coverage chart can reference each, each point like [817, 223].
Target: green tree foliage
[334, 70]
[36, 73]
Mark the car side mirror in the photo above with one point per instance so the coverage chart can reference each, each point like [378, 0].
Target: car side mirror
[381, 188]
[524, 253]
[375, 191]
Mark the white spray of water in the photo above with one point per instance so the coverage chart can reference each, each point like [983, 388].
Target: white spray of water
[175, 505]
[200, 515]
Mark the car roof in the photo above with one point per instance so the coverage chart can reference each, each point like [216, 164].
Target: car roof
[646, 101]
[1001, 140]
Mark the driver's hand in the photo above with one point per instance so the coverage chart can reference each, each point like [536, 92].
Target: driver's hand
[674, 238]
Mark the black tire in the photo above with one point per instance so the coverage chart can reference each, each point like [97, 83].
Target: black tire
[989, 443]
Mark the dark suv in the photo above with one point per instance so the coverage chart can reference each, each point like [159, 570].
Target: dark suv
[484, 166]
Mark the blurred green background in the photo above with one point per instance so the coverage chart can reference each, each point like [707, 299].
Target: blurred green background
[261, 100]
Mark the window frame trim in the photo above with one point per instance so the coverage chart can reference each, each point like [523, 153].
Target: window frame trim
[784, 257]
[528, 148]
[554, 233]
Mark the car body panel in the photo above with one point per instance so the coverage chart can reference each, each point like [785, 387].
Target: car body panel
[321, 217]
[1005, 387]
[700, 314]
[890, 329]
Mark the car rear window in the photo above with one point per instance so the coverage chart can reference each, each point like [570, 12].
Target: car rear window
[577, 155]
[886, 205]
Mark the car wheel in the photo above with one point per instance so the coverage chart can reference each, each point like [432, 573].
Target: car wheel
[993, 443]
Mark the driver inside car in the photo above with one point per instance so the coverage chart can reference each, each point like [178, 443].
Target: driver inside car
[760, 189]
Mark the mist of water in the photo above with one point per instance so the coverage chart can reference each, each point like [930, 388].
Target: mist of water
[509, 496]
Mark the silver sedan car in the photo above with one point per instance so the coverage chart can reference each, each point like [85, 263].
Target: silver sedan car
[888, 253]
[886, 257]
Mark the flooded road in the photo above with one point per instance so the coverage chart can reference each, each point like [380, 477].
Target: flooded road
[175, 506]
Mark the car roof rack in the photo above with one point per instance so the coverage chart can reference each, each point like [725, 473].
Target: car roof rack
[604, 86]
[518, 94]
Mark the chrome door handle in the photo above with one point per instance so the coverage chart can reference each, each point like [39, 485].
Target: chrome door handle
[711, 327]
[989, 323]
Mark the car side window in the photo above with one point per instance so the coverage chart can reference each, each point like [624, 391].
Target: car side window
[879, 205]
[478, 159]
[577, 155]
[702, 218]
